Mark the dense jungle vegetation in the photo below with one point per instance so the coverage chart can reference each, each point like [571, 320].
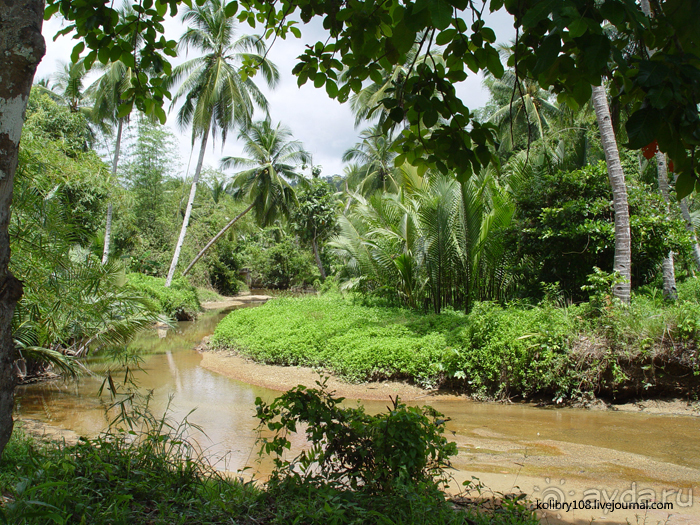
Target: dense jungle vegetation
[506, 283]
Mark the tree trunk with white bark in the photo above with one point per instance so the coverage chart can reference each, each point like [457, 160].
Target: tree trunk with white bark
[623, 238]
[216, 238]
[115, 163]
[188, 210]
[668, 270]
[21, 50]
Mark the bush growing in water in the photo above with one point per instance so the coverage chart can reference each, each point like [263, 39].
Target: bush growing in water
[179, 301]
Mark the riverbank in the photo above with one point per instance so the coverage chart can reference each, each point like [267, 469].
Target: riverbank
[541, 353]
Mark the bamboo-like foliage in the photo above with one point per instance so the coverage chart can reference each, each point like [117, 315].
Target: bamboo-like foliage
[434, 244]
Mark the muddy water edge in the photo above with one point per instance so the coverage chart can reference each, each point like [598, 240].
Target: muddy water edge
[564, 453]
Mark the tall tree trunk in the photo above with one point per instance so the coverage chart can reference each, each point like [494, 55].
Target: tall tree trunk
[115, 163]
[623, 238]
[314, 244]
[669, 273]
[691, 229]
[216, 238]
[188, 210]
[21, 49]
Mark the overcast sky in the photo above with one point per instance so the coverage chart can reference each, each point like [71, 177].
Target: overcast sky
[325, 127]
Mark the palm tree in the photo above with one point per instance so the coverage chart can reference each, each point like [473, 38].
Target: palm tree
[523, 108]
[375, 155]
[69, 85]
[623, 239]
[272, 164]
[107, 92]
[216, 96]
[367, 105]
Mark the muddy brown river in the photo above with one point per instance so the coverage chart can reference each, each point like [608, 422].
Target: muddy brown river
[569, 455]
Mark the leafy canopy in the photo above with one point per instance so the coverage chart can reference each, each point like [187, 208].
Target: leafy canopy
[562, 44]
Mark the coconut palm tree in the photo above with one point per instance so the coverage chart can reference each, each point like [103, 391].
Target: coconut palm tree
[216, 97]
[523, 109]
[272, 162]
[69, 85]
[375, 155]
[623, 239]
[107, 93]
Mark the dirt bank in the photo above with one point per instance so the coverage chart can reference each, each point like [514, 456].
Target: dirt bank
[282, 378]
[242, 299]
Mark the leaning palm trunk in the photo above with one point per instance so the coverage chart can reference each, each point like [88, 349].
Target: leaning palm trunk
[216, 238]
[188, 210]
[669, 273]
[623, 238]
[115, 162]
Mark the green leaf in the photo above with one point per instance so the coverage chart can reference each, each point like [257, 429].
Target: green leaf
[493, 62]
[578, 28]
[547, 53]
[50, 11]
[125, 109]
[77, 49]
[319, 80]
[231, 9]
[446, 36]
[641, 127]
[396, 114]
[430, 117]
[440, 13]
[685, 184]
[539, 12]
[331, 88]
[295, 31]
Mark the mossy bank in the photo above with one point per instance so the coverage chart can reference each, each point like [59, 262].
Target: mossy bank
[566, 353]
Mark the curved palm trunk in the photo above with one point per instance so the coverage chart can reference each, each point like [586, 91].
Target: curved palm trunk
[188, 210]
[21, 49]
[669, 273]
[216, 238]
[623, 238]
[115, 163]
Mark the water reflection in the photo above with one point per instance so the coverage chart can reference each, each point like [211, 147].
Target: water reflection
[224, 408]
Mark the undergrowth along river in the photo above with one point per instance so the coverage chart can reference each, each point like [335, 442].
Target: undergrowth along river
[572, 352]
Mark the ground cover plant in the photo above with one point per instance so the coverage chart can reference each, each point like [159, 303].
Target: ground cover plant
[494, 351]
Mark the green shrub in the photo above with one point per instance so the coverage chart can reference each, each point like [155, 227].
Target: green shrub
[180, 301]
[388, 468]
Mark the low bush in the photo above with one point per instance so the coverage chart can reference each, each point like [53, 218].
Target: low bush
[180, 301]
[386, 468]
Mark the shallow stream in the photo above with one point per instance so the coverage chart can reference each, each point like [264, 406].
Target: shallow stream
[572, 453]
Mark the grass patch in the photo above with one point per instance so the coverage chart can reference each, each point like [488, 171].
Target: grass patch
[180, 301]
[566, 352]
[208, 295]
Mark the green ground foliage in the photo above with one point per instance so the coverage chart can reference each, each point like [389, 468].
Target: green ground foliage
[568, 352]
[180, 301]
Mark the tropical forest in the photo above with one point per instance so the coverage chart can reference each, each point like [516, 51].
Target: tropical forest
[478, 302]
